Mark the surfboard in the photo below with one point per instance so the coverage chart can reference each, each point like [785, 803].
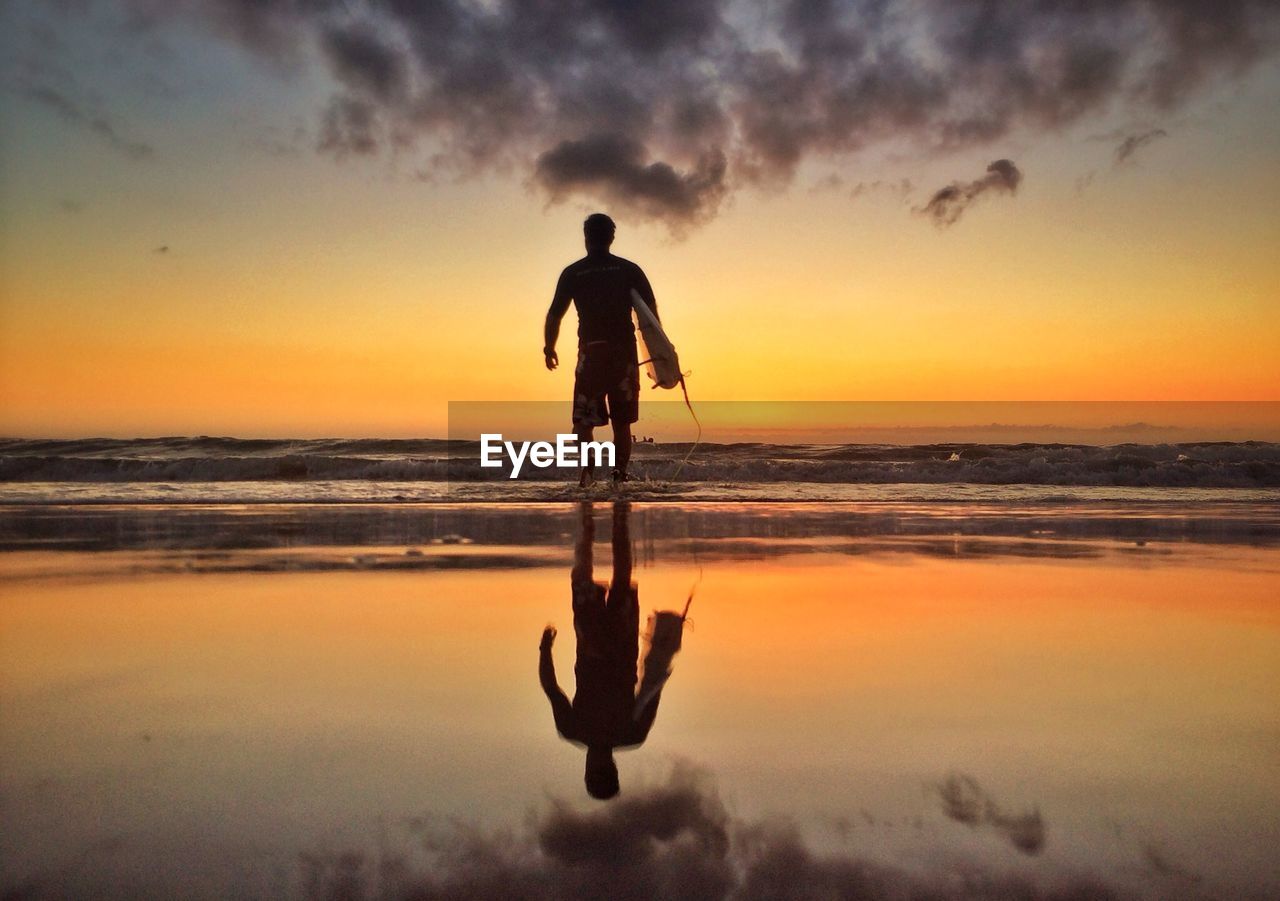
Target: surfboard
[658, 357]
[656, 350]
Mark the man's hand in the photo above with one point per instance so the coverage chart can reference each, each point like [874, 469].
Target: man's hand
[551, 359]
[548, 638]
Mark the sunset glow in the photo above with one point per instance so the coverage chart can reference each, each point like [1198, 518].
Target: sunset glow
[233, 280]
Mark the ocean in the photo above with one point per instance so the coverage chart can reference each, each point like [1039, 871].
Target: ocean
[230, 470]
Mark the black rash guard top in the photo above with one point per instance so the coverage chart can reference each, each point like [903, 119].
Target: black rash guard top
[600, 287]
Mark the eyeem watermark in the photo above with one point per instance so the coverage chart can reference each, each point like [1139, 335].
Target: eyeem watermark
[567, 452]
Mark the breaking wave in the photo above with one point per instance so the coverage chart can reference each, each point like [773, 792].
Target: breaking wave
[1249, 464]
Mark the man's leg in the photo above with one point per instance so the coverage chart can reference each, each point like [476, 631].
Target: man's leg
[622, 445]
[585, 434]
[624, 409]
[588, 405]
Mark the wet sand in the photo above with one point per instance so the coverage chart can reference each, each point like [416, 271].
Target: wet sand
[266, 703]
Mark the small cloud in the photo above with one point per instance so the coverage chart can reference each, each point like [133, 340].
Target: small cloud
[899, 189]
[948, 204]
[162, 249]
[96, 123]
[1135, 142]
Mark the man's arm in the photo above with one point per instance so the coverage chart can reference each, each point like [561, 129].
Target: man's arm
[551, 329]
[560, 706]
[646, 292]
[642, 717]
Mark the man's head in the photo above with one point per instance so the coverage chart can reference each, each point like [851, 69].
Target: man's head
[597, 232]
[602, 773]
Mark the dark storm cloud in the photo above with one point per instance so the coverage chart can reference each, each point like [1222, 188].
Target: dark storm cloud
[664, 107]
[949, 203]
[1200, 40]
[1133, 143]
[94, 122]
[615, 168]
[360, 60]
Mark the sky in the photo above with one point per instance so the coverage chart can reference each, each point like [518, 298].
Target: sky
[334, 217]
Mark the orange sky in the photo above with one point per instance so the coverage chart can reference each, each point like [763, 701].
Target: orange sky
[298, 296]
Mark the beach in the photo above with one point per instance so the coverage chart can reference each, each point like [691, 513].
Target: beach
[1062, 698]
[703, 451]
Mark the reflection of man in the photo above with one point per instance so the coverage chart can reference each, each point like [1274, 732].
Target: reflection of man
[606, 713]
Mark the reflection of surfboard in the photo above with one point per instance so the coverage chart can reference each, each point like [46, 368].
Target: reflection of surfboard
[656, 350]
[666, 629]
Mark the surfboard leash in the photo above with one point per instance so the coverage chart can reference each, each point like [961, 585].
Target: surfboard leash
[698, 438]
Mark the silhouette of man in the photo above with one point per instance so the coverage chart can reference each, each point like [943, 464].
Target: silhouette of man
[606, 712]
[606, 380]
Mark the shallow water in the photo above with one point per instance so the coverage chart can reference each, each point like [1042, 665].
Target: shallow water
[343, 702]
[363, 491]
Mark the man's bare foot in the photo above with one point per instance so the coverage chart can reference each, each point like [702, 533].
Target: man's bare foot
[586, 479]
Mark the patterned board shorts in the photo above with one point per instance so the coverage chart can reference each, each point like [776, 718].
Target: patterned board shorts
[606, 384]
